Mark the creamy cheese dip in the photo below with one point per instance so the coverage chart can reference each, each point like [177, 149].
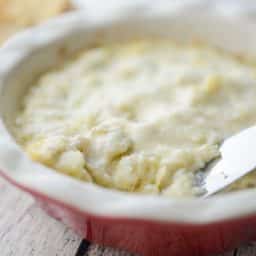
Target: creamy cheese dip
[141, 116]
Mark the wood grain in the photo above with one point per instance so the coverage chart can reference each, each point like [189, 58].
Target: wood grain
[97, 250]
[25, 230]
[249, 250]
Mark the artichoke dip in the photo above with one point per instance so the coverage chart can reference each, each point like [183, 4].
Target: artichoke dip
[140, 116]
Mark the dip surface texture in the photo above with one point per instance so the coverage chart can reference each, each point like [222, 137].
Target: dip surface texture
[141, 116]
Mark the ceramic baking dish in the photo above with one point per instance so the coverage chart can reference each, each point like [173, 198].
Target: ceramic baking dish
[149, 225]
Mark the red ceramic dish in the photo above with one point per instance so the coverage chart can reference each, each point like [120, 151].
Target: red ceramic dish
[151, 237]
[149, 225]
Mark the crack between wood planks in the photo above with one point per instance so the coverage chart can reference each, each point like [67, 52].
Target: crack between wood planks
[83, 248]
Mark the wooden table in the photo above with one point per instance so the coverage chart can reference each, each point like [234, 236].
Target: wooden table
[25, 230]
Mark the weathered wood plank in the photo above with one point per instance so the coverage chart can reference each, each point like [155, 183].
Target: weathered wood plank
[97, 250]
[248, 250]
[26, 230]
